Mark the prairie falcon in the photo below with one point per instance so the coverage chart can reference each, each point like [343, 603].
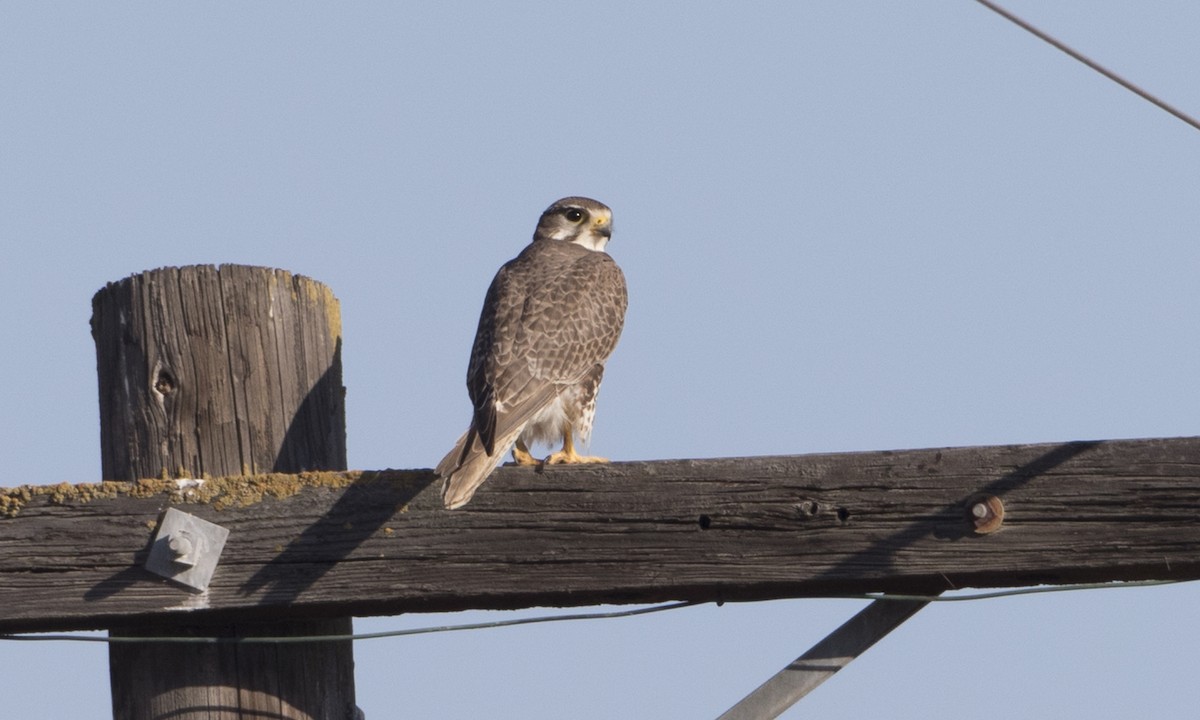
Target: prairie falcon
[550, 319]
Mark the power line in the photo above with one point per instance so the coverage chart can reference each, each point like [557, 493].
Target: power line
[992, 595]
[1144, 94]
[285, 639]
[49, 637]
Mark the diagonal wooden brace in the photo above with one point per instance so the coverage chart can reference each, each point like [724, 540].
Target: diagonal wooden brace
[800, 677]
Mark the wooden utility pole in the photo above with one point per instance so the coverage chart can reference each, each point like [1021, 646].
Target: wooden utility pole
[221, 397]
[327, 544]
[206, 372]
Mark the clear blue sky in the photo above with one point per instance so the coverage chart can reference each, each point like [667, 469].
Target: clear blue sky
[846, 226]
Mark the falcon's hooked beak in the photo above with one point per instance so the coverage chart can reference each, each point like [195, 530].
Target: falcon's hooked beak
[602, 226]
[598, 233]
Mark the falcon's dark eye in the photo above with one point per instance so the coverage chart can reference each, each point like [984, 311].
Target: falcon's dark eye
[574, 214]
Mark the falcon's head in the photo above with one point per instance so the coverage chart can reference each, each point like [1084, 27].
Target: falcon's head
[580, 220]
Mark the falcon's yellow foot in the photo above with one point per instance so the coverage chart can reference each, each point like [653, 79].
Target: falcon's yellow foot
[570, 457]
[522, 456]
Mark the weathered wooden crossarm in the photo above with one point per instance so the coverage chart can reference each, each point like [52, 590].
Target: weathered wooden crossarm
[363, 543]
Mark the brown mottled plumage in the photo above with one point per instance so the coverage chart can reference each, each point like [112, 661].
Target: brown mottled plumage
[551, 318]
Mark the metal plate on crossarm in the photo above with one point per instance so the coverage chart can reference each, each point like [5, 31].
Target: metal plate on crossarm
[186, 549]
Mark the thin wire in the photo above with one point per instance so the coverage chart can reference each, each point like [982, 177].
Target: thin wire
[360, 636]
[1012, 593]
[45, 637]
[1144, 94]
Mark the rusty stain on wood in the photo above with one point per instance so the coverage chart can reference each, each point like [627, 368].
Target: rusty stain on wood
[221, 493]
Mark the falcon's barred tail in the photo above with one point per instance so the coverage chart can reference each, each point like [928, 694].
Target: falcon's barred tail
[464, 469]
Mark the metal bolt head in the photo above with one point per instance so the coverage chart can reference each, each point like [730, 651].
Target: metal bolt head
[181, 549]
[986, 513]
[186, 549]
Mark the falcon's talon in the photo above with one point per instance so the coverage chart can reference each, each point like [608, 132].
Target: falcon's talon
[562, 457]
[522, 456]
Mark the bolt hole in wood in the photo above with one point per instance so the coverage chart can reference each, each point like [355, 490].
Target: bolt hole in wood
[809, 508]
[843, 514]
[705, 522]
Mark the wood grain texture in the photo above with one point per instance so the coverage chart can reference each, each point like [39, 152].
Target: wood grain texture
[333, 544]
[215, 371]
